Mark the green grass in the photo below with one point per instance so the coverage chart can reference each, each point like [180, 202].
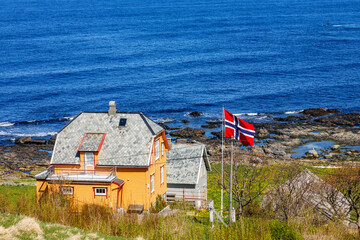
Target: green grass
[18, 226]
[55, 218]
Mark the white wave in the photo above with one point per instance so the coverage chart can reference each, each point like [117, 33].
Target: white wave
[252, 114]
[6, 124]
[68, 118]
[164, 120]
[292, 112]
[246, 114]
[39, 134]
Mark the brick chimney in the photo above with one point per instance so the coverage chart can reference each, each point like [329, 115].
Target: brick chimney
[112, 108]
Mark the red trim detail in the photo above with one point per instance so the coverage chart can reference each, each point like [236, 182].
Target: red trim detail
[82, 141]
[165, 140]
[101, 142]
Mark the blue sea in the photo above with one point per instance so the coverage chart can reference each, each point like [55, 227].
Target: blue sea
[167, 58]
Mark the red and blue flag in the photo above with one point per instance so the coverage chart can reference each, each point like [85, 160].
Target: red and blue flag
[237, 128]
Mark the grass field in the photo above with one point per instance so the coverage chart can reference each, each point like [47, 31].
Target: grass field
[54, 220]
[26, 228]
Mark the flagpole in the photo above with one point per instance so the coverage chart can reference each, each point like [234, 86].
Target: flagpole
[230, 182]
[222, 161]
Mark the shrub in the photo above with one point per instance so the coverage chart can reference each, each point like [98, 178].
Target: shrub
[281, 231]
[160, 204]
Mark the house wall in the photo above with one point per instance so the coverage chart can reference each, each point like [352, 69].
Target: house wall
[137, 183]
[155, 168]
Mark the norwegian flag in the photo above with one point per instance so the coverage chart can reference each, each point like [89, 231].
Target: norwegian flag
[239, 129]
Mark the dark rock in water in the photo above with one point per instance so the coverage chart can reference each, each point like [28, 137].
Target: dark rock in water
[208, 126]
[217, 134]
[23, 140]
[52, 140]
[188, 133]
[185, 121]
[293, 118]
[166, 127]
[195, 114]
[212, 124]
[318, 112]
[350, 119]
[28, 140]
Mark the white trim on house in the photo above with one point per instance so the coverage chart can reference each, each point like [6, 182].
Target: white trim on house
[99, 191]
[201, 160]
[152, 183]
[151, 149]
[162, 174]
[157, 149]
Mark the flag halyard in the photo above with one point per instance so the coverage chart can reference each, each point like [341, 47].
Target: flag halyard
[238, 129]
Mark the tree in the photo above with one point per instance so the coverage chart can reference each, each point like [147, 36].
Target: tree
[249, 183]
[347, 180]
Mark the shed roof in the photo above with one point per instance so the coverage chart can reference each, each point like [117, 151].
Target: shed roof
[128, 145]
[183, 163]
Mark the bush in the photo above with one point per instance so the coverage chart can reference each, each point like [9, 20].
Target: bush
[281, 231]
[160, 204]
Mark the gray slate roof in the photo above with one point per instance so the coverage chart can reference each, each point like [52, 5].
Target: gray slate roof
[91, 142]
[183, 163]
[127, 145]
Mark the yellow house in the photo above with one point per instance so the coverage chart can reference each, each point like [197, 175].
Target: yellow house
[115, 159]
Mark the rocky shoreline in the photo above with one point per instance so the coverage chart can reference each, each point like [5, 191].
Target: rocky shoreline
[274, 142]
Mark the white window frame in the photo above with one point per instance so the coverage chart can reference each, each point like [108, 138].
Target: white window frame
[162, 149]
[100, 193]
[87, 160]
[152, 183]
[66, 190]
[162, 174]
[157, 148]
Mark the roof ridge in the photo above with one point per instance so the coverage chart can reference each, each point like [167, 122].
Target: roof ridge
[147, 124]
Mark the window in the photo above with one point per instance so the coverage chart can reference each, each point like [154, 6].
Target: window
[162, 149]
[162, 174]
[100, 191]
[156, 149]
[89, 159]
[152, 186]
[67, 190]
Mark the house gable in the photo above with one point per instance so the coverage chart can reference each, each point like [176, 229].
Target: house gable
[184, 163]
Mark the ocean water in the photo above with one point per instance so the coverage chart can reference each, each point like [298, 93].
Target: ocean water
[167, 58]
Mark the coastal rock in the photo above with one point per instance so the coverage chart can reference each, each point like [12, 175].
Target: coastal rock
[28, 140]
[23, 140]
[335, 147]
[263, 133]
[329, 156]
[217, 134]
[188, 133]
[195, 114]
[212, 124]
[166, 127]
[312, 153]
[185, 121]
[346, 120]
[293, 118]
[318, 112]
